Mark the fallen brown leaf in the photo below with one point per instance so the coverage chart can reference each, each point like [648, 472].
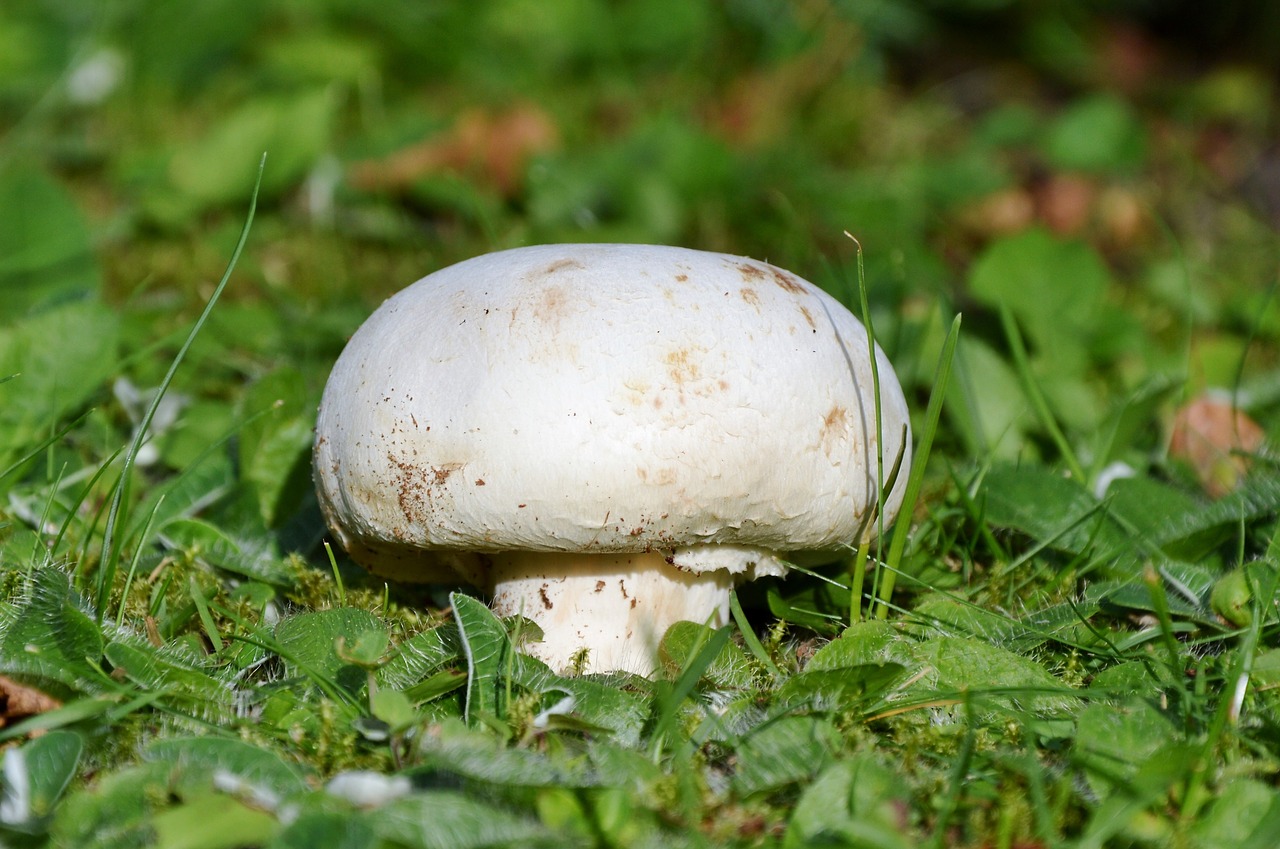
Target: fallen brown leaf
[1216, 439]
[18, 701]
[1001, 213]
[1064, 202]
[492, 148]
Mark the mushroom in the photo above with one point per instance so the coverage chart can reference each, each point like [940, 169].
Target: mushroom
[606, 438]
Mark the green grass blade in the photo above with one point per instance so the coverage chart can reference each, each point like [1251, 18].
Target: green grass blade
[110, 550]
[1022, 363]
[860, 562]
[749, 637]
[915, 480]
[133, 563]
[669, 705]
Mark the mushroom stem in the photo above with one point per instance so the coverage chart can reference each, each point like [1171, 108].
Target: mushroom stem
[617, 606]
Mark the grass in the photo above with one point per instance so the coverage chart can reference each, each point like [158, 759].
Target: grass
[1071, 640]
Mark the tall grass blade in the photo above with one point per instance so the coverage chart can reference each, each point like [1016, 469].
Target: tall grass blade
[750, 639]
[860, 561]
[915, 480]
[110, 550]
[670, 702]
[1022, 364]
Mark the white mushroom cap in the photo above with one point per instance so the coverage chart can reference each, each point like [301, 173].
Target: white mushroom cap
[605, 399]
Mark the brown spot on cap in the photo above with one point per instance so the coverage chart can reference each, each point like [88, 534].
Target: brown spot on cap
[750, 296]
[788, 282]
[808, 317]
[552, 306]
[834, 424]
[561, 265]
[440, 474]
[682, 367]
[542, 594]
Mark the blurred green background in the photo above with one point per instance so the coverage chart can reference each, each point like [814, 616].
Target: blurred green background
[1099, 180]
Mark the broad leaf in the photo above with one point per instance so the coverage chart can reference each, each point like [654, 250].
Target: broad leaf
[961, 667]
[275, 443]
[45, 249]
[310, 643]
[52, 379]
[487, 649]
[786, 751]
[450, 820]
[857, 802]
[46, 765]
[480, 756]
[182, 676]
[51, 637]
[1054, 288]
[198, 758]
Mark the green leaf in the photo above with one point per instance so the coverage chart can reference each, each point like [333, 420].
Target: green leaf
[311, 638]
[783, 752]
[1246, 809]
[114, 811]
[366, 649]
[45, 250]
[449, 820]
[1099, 133]
[433, 687]
[1113, 740]
[253, 558]
[394, 708]
[480, 756]
[1021, 634]
[319, 826]
[985, 402]
[1051, 509]
[186, 493]
[52, 638]
[598, 703]
[1197, 527]
[213, 821]
[782, 607]
[275, 443]
[864, 642]
[995, 677]
[49, 763]
[838, 689]
[671, 695]
[196, 759]
[52, 379]
[1055, 289]
[1154, 781]
[221, 167]
[856, 802]
[730, 669]
[420, 655]
[180, 674]
[487, 648]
